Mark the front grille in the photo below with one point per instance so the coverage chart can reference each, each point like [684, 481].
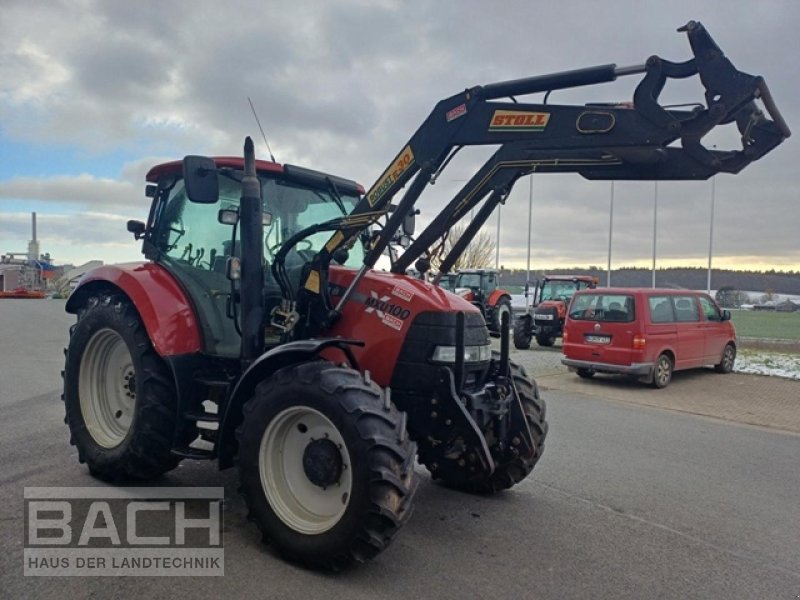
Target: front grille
[414, 373]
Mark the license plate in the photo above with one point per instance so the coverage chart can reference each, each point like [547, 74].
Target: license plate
[598, 339]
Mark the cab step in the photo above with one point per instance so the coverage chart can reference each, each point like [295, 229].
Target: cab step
[193, 453]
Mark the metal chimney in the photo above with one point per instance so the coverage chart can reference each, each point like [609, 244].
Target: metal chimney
[33, 245]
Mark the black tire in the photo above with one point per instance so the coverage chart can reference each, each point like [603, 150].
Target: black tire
[508, 474]
[371, 437]
[522, 334]
[503, 306]
[725, 364]
[662, 371]
[585, 373]
[545, 339]
[108, 326]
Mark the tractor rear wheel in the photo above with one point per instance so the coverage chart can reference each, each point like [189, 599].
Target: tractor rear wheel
[522, 333]
[119, 395]
[326, 465]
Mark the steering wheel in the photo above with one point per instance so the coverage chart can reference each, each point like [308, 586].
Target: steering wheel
[309, 245]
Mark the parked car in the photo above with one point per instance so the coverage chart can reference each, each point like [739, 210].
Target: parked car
[646, 333]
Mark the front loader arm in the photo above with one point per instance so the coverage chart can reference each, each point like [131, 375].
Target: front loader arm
[598, 141]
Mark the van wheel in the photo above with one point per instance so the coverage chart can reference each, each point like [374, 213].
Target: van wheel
[728, 358]
[662, 373]
[585, 373]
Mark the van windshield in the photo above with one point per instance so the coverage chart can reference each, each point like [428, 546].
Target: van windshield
[603, 307]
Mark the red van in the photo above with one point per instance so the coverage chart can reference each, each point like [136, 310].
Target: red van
[646, 333]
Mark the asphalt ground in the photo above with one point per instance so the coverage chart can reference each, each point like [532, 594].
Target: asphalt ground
[629, 501]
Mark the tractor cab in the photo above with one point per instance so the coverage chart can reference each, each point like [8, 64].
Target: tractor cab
[481, 287]
[561, 288]
[199, 243]
[545, 320]
[475, 285]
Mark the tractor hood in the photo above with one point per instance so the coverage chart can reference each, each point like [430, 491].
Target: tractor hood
[382, 310]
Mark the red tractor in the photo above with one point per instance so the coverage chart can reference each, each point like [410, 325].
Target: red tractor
[480, 286]
[544, 320]
[258, 334]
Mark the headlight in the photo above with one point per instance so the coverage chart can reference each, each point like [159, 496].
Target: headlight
[447, 354]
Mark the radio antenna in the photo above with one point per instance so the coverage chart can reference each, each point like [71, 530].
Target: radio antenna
[264, 135]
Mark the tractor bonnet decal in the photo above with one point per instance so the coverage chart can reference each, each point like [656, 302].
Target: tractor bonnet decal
[389, 314]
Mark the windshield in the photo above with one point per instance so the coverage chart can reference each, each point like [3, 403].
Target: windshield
[191, 232]
[558, 290]
[293, 208]
[470, 280]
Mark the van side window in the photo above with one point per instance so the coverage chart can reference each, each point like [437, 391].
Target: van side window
[710, 309]
[661, 309]
[685, 308]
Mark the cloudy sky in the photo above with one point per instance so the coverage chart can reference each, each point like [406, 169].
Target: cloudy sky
[93, 93]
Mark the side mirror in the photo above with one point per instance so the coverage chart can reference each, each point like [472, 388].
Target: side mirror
[726, 315]
[228, 216]
[409, 223]
[136, 228]
[200, 179]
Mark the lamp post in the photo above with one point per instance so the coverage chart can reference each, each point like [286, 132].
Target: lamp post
[655, 228]
[610, 233]
[497, 241]
[711, 233]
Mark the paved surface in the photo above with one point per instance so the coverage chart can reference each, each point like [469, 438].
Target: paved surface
[627, 502]
[752, 399]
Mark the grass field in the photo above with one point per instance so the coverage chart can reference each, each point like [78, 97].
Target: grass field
[767, 325]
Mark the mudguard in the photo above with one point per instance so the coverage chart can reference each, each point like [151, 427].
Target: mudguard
[165, 309]
[264, 366]
[496, 296]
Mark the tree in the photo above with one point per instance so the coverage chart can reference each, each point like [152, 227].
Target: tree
[729, 297]
[478, 253]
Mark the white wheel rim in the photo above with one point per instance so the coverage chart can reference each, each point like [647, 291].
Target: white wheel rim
[107, 388]
[305, 507]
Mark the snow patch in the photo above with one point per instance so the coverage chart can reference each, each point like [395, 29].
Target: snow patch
[773, 364]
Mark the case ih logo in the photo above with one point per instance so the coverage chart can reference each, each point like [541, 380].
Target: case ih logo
[392, 174]
[390, 314]
[518, 120]
[402, 294]
[454, 113]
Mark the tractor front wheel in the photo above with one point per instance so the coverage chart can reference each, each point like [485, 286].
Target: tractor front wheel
[545, 339]
[326, 465]
[119, 396]
[522, 333]
[509, 473]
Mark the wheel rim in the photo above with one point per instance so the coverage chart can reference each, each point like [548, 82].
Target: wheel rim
[727, 361]
[662, 371]
[305, 506]
[107, 388]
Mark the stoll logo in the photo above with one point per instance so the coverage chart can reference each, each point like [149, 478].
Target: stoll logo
[115, 531]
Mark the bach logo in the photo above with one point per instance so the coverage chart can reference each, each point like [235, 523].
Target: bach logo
[519, 120]
[123, 531]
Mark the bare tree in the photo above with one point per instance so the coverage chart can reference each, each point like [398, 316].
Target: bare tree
[479, 252]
